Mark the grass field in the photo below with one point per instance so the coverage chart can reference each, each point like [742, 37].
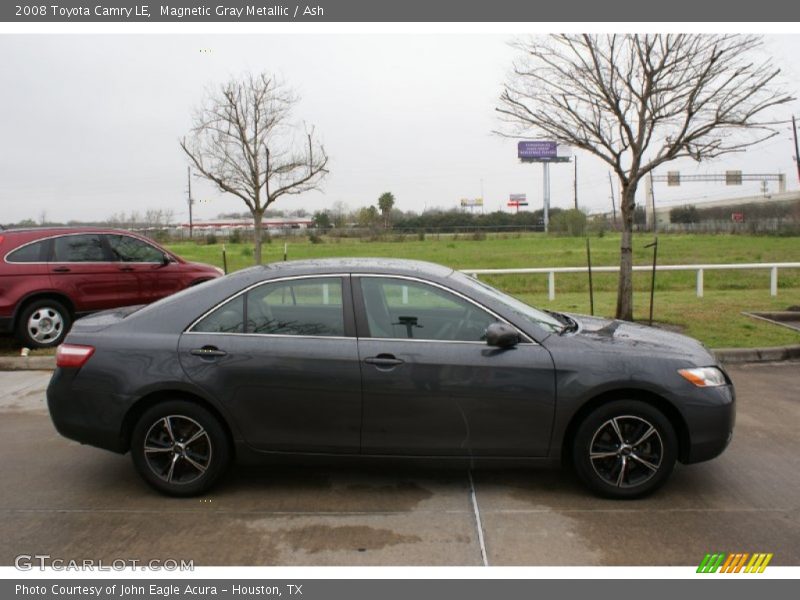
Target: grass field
[715, 319]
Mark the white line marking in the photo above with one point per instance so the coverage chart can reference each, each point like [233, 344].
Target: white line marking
[478, 523]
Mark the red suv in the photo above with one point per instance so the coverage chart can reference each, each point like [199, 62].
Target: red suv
[51, 276]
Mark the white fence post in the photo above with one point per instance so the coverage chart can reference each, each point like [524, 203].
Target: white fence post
[551, 285]
[773, 282]
[699, 283]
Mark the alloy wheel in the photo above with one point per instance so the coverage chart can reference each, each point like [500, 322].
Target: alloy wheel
[177, 449]
[626, 451]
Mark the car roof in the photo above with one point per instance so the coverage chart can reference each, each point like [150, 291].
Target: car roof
[362, 264]
[64, 229]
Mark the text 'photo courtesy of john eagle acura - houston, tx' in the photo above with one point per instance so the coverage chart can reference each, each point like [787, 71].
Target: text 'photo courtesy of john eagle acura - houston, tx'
[369, 359]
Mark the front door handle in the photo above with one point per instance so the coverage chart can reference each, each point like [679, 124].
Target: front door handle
[126, 269]
[384, 361]
[61, 269]
[208, 352]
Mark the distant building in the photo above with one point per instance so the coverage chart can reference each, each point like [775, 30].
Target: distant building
[225, 227]
[733, 204]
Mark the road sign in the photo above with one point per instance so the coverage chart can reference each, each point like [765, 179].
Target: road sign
[673, 178]
[518, 198]
[733, 178]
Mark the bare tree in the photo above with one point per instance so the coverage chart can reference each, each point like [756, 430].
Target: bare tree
[639, 101]
[243, 140]
[153, 218]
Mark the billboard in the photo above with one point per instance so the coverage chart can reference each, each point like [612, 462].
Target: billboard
[470, 202]
[517, 200]
[542, 151]
[537, 150]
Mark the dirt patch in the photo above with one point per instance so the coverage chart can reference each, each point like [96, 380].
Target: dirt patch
[325, 538]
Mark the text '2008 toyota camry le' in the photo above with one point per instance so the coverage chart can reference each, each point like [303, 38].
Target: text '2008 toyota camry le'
[379, 358]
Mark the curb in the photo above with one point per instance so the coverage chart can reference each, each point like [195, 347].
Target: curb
[735, 356]
[27, 363]
[729, 356]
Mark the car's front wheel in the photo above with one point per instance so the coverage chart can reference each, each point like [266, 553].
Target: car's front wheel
[625, 449]
[180, 448]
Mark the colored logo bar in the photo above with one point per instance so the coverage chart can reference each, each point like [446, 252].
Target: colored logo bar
[737, 562]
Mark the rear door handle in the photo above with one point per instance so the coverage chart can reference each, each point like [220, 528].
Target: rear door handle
[61, 269]
[126, 269]
[208, 352]
[384, 360]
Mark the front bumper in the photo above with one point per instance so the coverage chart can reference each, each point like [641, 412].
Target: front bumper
[710, 417]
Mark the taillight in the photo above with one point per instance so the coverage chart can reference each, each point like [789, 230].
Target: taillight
[72, 356]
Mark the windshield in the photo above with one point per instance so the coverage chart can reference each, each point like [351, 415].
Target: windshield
[532, 315]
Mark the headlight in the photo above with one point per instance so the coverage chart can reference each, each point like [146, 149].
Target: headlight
[704, 376]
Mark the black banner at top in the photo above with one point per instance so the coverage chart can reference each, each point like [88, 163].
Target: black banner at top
[144, 11]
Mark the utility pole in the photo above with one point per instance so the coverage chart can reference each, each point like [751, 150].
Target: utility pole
[653, 203]
[796, 148]
[546, 185]
[189, 199]
[613, 205]
[575, 182]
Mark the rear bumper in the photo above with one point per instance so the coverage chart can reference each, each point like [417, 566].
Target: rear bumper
[711, 417]
[84, 415]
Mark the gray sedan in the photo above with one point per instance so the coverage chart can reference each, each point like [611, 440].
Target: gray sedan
[371, 359]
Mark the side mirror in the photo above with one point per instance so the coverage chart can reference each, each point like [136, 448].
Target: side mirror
[165, 260]
[502, 335]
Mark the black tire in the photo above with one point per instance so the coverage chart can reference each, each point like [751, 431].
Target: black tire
[43, 324]
[187, 421]
[632, 467]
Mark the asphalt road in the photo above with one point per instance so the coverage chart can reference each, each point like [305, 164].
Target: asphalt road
[74, 502]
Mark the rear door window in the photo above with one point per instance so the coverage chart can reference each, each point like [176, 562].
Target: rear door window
[79, 248]
[310, 307]
[228, 318]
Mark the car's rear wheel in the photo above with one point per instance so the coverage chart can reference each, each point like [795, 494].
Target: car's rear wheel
[43, 324]
[180, 448]
[625, 449]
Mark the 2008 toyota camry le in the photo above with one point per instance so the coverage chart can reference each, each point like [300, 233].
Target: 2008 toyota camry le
[384, 358]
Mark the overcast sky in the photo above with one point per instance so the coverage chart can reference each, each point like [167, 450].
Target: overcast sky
[89, 124]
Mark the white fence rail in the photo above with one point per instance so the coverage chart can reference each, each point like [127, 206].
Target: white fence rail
[699, 269]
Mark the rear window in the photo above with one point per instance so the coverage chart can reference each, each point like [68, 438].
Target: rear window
[29, 253]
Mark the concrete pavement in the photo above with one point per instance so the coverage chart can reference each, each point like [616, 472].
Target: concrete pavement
[75, 502]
